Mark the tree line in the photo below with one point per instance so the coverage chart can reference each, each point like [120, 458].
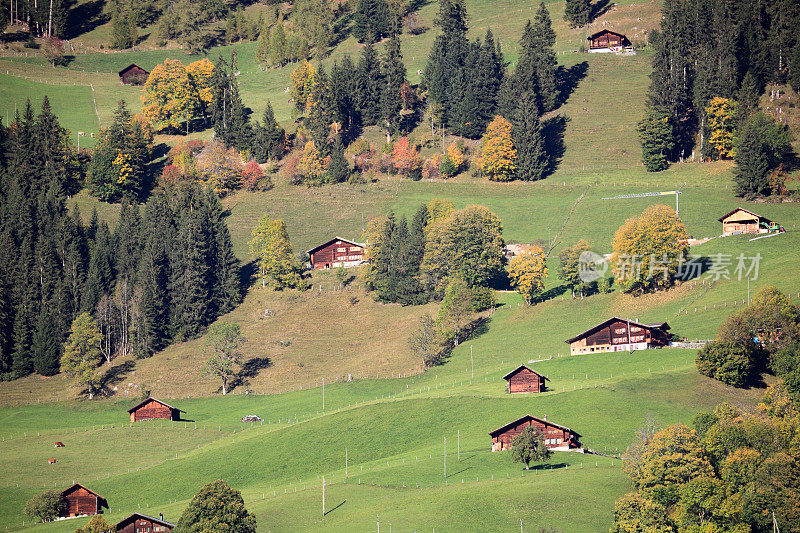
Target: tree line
[164, 272]
[717, 49]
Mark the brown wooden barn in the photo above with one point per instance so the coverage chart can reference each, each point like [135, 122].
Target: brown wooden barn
[741, 221]
[620, 335]
[133, 75]
[523, 379]
[82, 501]
[607, 41]
[336, 252]
[555, 436]
[152, 408]
[142, 523]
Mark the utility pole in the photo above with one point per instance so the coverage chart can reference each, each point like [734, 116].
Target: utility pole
[445, 457]
[458, 445]
[471, 361]
[323, 495]
[345, 462]
[323, 396]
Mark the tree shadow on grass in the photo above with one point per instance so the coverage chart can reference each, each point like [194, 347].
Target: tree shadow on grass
[598, 9]
[250, 369]
[553, 130]
[569, 78]
[114, 375]
[546, 466]
[551, 293]
[85, 17]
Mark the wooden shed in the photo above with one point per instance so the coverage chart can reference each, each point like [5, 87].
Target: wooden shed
[142, 523]
[82, 501]
[556, 436]
[607, 41]
[523, 379]
[336, 252]
[152, 408]
[620, 335]
[741, 221]
[133, 74]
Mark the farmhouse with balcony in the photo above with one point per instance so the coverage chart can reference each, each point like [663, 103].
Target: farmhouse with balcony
[139, 523]
[605, 41]
[620, 335]
[336, 252]
[556, 437]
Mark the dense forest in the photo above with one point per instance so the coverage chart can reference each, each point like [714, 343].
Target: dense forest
[164, 273]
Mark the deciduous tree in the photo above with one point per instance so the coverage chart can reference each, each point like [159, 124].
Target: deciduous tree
[270, 245]
[82, 354]
[527, 272]
[167, 99]
[569, 265]
[499, 155]
[225, 339]
[217, 507]
[46, 506]
[529, 446]
[721, 117]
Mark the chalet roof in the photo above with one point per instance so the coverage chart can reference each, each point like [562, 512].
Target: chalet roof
[79, 486]
[503, 429]
[129, 67]
[662, 325]
[324, 244]
[518, 369]
[601, 32]
[135, 407]
[759, 217]
[122, 523]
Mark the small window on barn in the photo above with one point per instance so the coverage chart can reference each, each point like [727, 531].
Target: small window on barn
[341, 249]
[355, 248]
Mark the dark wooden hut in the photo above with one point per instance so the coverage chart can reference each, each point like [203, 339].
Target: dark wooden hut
[152, 408]
[523, 379]
[133, 75]
[336, 252]
[607, 41]
[82, 501]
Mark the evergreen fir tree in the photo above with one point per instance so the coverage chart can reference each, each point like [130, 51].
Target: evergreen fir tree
[262, 52]
[371, 20]
[368, 86]
[546, 63]
[577, 12]
[794, 68]
[342, 92]
[224, 271]
[46, 345]
[100, 275]
[189, 289]
[270, 138]
[338, 168]
[278, 55]
[394, 73]
[527, 134]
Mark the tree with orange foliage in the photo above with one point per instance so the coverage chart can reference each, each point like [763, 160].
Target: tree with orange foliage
[303, 78]
[221, 169]
[405, 158]
[167, 96]
[311, 164]
[499, 157]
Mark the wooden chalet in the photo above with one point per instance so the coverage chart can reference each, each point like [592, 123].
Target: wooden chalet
[555, 436]
[142, 523]
[741, 221]
[82, 501]
[336, 252]
[133, 74]
[620, 335]
[523, 379]
[607, 41]
[152, 408]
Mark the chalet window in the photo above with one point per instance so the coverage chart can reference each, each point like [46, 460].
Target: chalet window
[355, 248]
[344, 249]
[619, 331]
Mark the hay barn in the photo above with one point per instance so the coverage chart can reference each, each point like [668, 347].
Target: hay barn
[82, 501]
[133, 75]
[142, 523]
[556, 437]
[336, 252]
[523, 379]
[152, 408]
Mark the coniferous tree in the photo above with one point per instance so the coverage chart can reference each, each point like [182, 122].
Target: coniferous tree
[100, 274]
[372, 21]
[577, 12]
[190, 272]
[546, 64]
[657, 138]
[46, 345]
[794, 68]
[446, 57]
[269, 138]
[338, 168]
[228, 113]
[278, 53]
[369, 81]
[527, 135]
[394, 74]
[344, 109]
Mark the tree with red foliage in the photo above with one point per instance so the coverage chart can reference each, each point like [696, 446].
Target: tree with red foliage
[254, 178]
[405, 157]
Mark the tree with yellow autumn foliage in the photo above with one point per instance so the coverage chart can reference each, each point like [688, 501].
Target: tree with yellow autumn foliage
[311, 164]
[499, 156]
[527, 272]
[200, 73]
[648, 249]
[721, 117]
[303, 78]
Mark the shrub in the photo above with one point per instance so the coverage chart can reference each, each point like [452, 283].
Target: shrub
[254, 178]
[731, 363]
